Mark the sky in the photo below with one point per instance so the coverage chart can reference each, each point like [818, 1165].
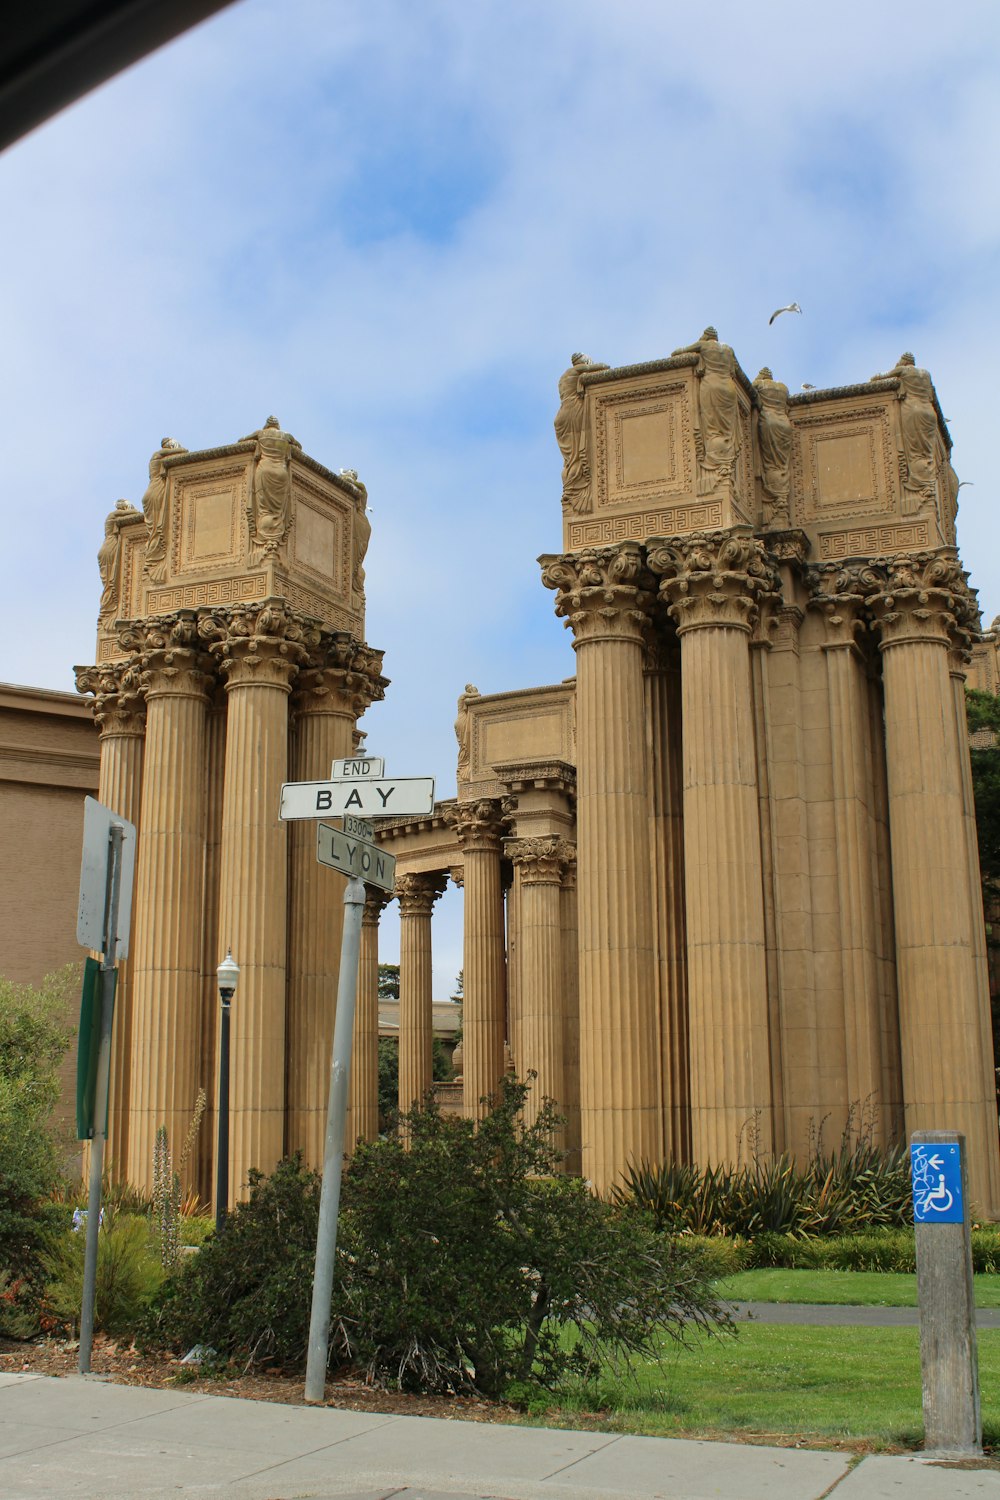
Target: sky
[390, 224]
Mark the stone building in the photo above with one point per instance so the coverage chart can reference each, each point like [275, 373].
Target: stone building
[742, 890]
[721, 888]
[230, 658]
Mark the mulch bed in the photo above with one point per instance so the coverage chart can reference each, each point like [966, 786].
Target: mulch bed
[123, 1365]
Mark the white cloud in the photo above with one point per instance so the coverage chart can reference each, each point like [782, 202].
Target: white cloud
[391, 223]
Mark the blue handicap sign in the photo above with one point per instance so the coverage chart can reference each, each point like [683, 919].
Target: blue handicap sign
[936, 1168]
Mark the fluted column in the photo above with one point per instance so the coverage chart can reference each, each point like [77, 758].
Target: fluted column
[571, 1012]
[416, 895]
[120, 715]
[947, 1072]
[712, 583]
[666, 781]
[603, 594]
[167, 914]
[259, 649]
[363, 1095]
[540, 864]
[212, 953]
[857, 902]
[479, 828]
[333, 690]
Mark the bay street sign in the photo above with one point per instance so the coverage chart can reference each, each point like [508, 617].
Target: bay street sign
[353, 856]
[403, 796]
[92, 908]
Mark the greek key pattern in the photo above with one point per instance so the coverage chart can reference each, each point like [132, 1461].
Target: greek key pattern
[318, 608]
[873, 541]
[673, 521]
[221, 591]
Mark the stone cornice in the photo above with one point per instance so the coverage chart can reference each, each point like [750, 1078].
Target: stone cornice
[541, 775]
[602, 593]
[655, 366]
[713, 579]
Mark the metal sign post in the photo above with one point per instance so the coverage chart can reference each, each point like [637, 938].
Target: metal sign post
[361, 793]
[949, 1358]
[333, 1154]
[109, 948]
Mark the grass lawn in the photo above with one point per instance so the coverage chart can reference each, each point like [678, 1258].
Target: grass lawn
[855, 1386]
[850, 1288]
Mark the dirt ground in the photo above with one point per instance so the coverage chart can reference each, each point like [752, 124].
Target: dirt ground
[122, 1364]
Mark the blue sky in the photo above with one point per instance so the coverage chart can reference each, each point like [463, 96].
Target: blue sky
[391, 224]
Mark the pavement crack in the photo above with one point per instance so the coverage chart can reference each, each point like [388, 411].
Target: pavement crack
[612, 1439]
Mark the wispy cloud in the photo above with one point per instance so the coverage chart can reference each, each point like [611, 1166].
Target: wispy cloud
[391, 223]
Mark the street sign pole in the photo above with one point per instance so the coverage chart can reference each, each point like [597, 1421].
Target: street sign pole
[116, 834]
[333, 1156]
[949, 1358]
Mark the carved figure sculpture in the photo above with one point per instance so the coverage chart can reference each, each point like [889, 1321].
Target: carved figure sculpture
[571, 434]
[918, 423]
[462, 731]
[109, 557]
[154, 508]
[718, 408]
[774, 438]
[270, 508]
[362, 529]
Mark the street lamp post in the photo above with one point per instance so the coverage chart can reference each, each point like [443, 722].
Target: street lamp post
[228, 973]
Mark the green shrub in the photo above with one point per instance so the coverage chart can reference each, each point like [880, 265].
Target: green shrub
[247, 1292]
[986, 1249]
[33, 1038]
[859, 1187]
[722, 1255]
[128, 1274]
[462, 1265]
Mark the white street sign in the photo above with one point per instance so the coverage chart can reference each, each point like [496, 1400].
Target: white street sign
[358, 768]
[354, 857]
[404, 796]
[358, 828]
[97, 822]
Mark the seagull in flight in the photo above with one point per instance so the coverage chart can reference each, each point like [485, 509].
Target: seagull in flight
[792, 307]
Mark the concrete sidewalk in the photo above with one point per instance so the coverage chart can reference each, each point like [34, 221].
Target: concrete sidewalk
[84, 1437]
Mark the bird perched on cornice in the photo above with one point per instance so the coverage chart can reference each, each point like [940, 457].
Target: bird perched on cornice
[792, 307]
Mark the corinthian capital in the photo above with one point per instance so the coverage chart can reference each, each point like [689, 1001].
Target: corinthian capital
[117, 704]
[417, 893]
[602, 592]
[923, 596]
[541, 861]
[258, 643]
[712, 579]
[170, 655]
[479, 825]
[340, 675]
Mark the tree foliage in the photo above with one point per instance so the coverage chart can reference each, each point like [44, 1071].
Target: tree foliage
[388, 981]
[34, 1035]
[983, 712]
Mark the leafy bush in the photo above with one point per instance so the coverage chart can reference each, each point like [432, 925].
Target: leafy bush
[858, 1187]
[247, 1292]
[128, 1274]
[33, 1038]
[463, 1264]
